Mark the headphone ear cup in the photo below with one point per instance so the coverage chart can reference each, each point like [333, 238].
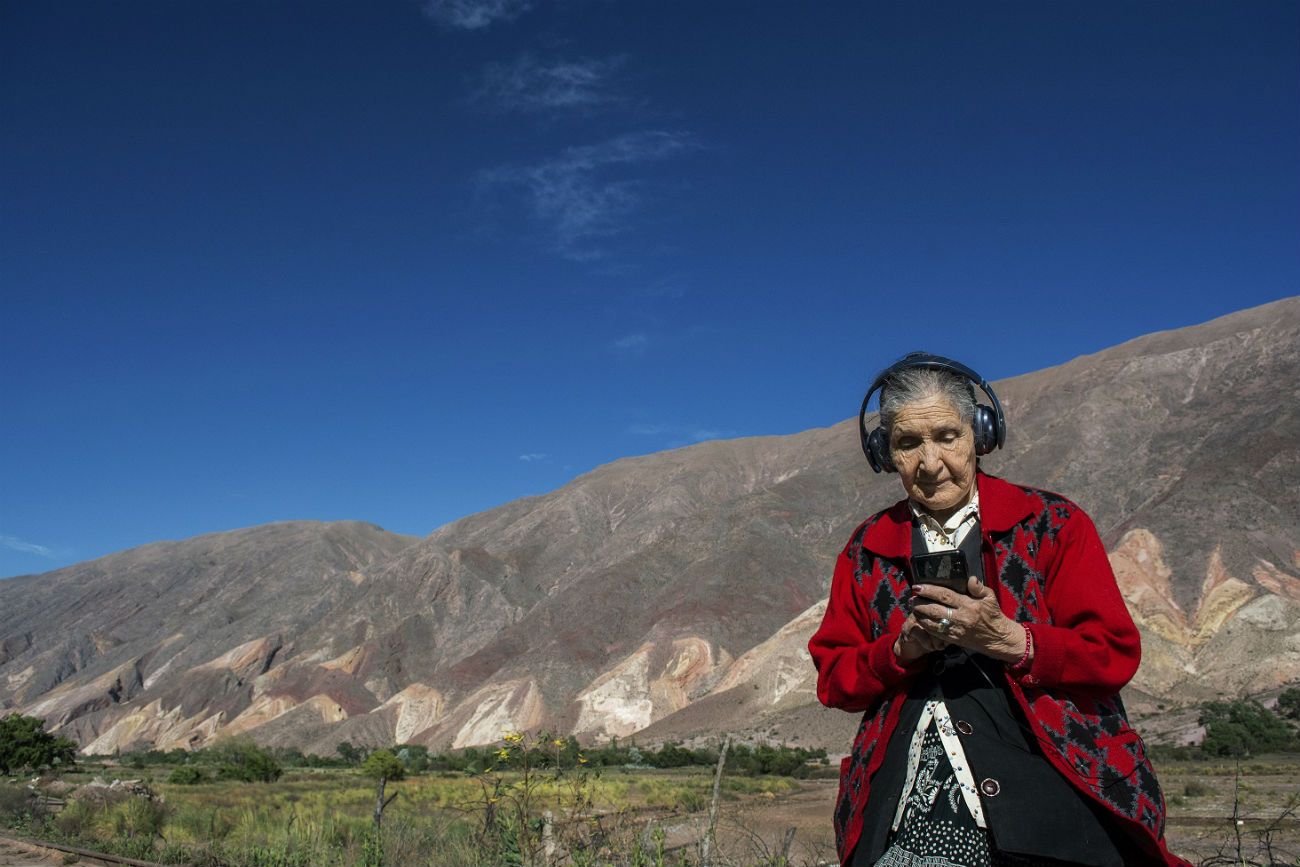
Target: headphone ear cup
[878, 452]
[986, 430]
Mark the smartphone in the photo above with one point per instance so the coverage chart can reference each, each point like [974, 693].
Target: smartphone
[942, 569]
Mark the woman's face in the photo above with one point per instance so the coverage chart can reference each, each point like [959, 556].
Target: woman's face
[934, 452]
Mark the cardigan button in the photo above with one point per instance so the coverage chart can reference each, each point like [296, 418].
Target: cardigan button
[990, 787]
[964, 727]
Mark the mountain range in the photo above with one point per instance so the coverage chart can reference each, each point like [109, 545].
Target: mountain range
[672, 595]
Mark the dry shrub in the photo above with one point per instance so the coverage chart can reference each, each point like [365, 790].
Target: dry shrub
[15, 803]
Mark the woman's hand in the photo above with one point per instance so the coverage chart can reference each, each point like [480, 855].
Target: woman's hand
[977, 622]
[913, 641]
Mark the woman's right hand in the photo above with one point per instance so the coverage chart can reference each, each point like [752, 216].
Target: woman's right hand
[913, 642]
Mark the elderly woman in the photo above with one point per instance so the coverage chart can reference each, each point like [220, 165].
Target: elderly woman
[992, 728]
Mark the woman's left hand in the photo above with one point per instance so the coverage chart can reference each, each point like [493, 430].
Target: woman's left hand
[976, 621]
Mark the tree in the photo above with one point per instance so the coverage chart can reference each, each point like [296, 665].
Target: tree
[242, 759]
[1243, 728]
[349, 753]
[1288, 703]
[383, 766]
[25, 745]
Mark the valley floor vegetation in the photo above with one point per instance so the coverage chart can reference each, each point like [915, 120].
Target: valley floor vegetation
[543, 800]
[529, 800]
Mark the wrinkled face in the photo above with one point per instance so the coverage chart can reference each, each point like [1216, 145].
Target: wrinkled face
[934, 451]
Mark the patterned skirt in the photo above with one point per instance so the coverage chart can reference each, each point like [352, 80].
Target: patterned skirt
[937, 829]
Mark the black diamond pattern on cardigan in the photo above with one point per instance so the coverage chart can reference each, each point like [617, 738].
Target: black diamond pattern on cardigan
[1023, 582]
[1122, 792]
[891, 593]
[1106, 756]
[851, 798]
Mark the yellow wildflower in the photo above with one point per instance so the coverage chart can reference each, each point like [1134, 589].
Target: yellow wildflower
[503, 754]
[558, 742]
[582, 760]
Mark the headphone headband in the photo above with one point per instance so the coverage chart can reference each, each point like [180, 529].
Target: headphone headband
[933, 362]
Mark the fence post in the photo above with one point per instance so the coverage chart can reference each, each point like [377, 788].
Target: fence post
[548, 837]
[707, 847]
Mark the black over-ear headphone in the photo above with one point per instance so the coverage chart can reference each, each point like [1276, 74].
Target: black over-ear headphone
[989, 422]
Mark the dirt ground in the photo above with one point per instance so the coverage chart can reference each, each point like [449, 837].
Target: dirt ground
[755, 828]
[13, 855]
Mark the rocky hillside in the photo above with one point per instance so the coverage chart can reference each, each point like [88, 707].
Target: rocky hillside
[673, 594]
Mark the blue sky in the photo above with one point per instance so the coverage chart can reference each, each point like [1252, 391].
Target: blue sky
[401, 262]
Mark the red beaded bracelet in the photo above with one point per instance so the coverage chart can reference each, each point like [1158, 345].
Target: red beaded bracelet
[1023, 663]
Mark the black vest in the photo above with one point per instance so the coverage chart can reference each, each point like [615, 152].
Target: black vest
[1029, 807]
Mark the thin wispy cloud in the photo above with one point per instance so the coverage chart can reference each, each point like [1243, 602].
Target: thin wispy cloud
[533, 456]
[584, 196]
[474, 14]
[648, 430]
[632, 344]
[679, 434]
[13, 543]
[531, 85]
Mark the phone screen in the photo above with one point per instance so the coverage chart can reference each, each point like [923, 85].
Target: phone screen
[942, 568]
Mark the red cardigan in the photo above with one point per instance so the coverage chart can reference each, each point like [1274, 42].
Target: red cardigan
[1051, 573]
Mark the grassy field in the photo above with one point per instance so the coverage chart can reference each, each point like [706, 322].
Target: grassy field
[337, 805]
[311, 817]
[616, 816]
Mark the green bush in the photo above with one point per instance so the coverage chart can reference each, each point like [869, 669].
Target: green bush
[1244, 728]
[242, 759]
[187, 775]
[1288, 703]
[25, 745]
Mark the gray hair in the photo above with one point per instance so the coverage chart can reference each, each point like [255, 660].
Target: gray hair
[920, 383]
